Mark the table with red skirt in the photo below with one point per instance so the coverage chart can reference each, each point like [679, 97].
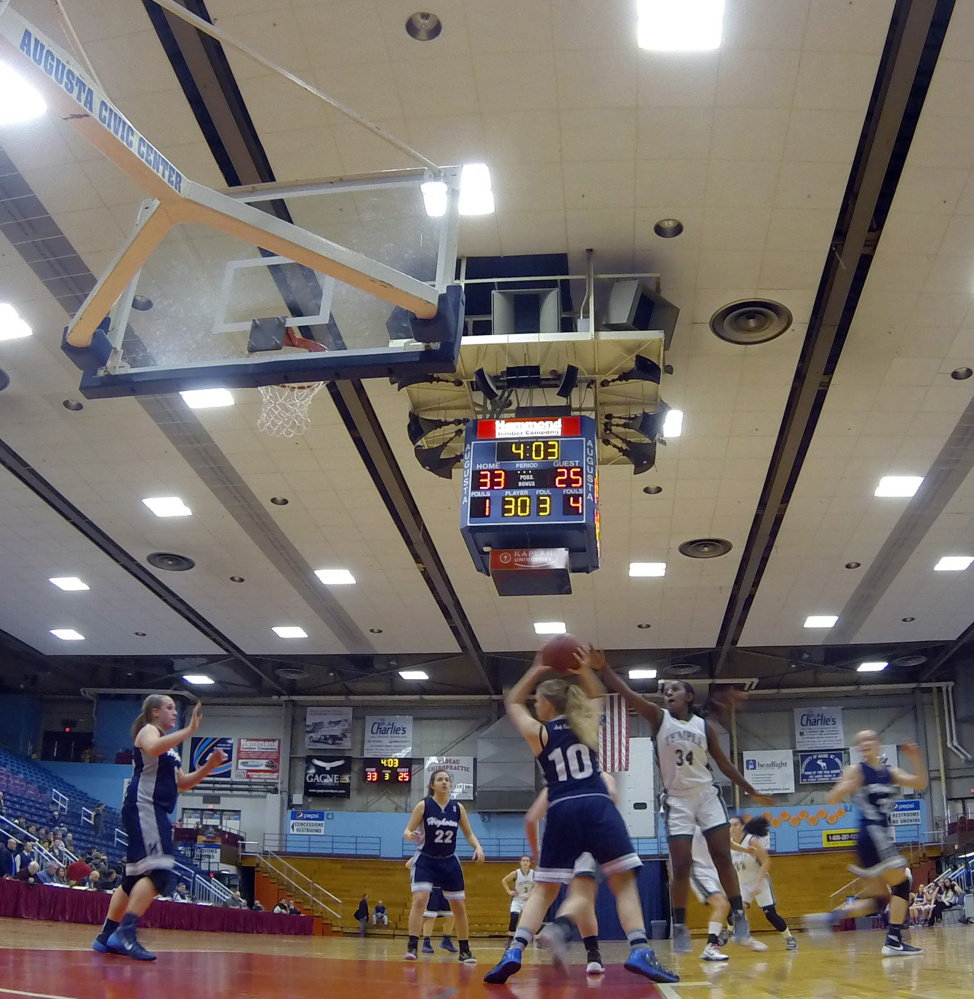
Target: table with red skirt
[76, 905]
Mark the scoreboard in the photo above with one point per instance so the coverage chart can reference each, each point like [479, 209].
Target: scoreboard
[391, 770]
[531, 484]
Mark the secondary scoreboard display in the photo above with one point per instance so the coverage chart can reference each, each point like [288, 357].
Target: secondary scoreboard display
[391, 770]
[530, 484]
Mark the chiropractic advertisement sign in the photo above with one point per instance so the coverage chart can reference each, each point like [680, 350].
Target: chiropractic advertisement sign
[388, 735]
[460, 769]
[770, 771]
[819, 728]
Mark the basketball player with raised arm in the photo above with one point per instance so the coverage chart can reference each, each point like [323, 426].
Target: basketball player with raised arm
[684, 741]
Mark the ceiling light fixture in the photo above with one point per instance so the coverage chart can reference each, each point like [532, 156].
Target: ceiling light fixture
[19, 101]
[198, 679]
[211, 398]
[476, 196]
[679, 25]
[289, 631]
[167, 506]
[68, 583]
[668, 228]
[642, 674]
[413, 674]
[434, 198]
[550, 628]
[949, 563]
[871, 667]
[647, 568]
[12, 327]
[335, 577]
[673, 424]
[898, 485]
[67, 634]
[821, 620]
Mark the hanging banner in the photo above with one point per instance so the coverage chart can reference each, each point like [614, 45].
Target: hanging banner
[201, 748]
[257, 759]
[388, 735]
[331, 727]
[770, 771]
[819, 728]
[460, 769]
[820, 768]
[888, 756]
[328, 776]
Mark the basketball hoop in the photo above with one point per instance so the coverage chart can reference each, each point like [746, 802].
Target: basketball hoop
[284, 409]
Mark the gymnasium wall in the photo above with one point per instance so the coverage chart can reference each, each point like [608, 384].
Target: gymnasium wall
[20, 716]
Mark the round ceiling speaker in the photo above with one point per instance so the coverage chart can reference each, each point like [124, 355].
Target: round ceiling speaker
[750, 321]
[291, 673]
[682, 669]
[423, 26]
[170, 561]
[705, 548]
[908, 661]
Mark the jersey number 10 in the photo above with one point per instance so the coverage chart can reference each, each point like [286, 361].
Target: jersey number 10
[578, 759]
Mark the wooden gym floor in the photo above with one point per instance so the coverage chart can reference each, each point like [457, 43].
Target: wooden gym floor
[53, 961]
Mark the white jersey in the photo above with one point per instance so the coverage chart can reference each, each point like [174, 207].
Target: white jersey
[747, 867]
[523, 883]
[681, 748]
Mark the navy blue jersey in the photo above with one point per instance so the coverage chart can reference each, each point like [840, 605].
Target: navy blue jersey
[569, 766]
[441, 827]
[154, 780]
[875, 798]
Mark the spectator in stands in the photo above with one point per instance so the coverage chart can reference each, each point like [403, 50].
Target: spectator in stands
[108, 880]
[55, 816]
[92, 880]
[28, 874]
[379, 915]
[77, 872]
[8, 863]
[180, 894]
[25, 855]
[282, 906]
[293, 909]
[69, 842]
[32, 830]
[62, 875]
[58, 849]
[21, 822]
[236, 901]
[362, 915]
[257, 907]
[3, 807]
[98, 819]
[49, 875]
[42, 834]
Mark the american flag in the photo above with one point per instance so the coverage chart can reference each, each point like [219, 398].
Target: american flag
[614, 735]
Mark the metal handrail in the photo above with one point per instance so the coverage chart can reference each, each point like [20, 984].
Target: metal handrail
[267, 855]
[845, 888]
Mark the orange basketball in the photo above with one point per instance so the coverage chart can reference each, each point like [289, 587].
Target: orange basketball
[558, 653]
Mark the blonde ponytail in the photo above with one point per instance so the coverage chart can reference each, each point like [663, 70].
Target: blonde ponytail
[149, 705]
[583, 713]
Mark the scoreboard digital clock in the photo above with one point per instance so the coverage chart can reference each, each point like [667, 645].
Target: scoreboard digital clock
[531, 484]
[391, 770]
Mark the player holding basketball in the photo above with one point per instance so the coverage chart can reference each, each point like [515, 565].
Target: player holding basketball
[581, 816]
[751, 844]
[872, 785]
[151, 796]
[518, 885]
[684, 739]
[437, 864]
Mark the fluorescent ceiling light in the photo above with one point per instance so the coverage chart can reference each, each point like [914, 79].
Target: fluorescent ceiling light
[12, 327]
[550, 628]
[871, 667]
[200, 679]
[167, 506]
[898, 485]
[413, 674]
[679, 25]
[19, 101]
[820, 621]
[69, 583]
[335, 577]
[476, 197]
[949, 563]
[289, 631]
[673, 424]
[642, 674]
[647, 568]
[434, 198]
[67, 634]
[207, 398]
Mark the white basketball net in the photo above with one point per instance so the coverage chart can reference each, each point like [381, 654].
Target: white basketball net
[284, 409]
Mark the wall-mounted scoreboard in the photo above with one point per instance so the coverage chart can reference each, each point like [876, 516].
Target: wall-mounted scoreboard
[391, 770]
[530, 485]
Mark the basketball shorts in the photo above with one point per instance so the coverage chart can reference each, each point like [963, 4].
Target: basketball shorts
[703, 807]
[149, 831]
[517, 904]
[586, 823]
[704, 880]
[436, 905]
[877, 850]
[761, 894]
[586, 867]
[444, 873]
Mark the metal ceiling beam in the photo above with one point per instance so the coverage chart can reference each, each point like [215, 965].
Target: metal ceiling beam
[913, 44]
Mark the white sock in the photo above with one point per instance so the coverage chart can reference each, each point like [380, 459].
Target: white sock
[715, 928]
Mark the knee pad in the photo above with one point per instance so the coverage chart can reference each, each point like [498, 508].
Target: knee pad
[902, 890]
[512, 925]
[774, 918]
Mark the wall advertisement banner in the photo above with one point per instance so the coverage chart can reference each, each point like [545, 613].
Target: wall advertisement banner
[820, 768]
[201, 748]
[906, 813]
[843, 839]
[328, 776]
[257, 759]
[819, 728]
[388, 735]
[460, 769]
[306, 823]
[770, 771]
[329, 728]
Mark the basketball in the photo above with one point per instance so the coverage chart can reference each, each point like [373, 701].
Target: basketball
[558, 653]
